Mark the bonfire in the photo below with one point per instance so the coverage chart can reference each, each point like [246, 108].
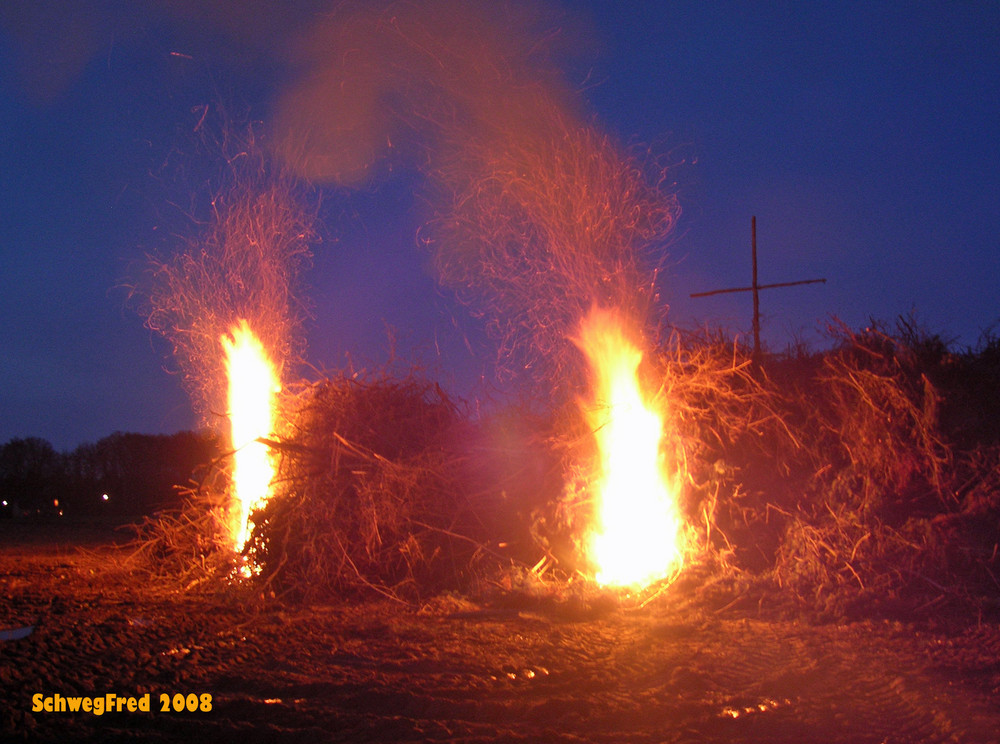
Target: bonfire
[636, 538]
[252, 384]
[828, 478]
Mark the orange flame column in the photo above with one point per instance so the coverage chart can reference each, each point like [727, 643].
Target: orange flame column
[636, 539]
[253, 383]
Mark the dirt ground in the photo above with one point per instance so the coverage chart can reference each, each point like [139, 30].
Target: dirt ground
[454, 670]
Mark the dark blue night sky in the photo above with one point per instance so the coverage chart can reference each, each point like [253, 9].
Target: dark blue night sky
[863, 136]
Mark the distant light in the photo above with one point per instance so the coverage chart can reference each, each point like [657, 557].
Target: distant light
[55, 502]
[104, 497]
[5, 502]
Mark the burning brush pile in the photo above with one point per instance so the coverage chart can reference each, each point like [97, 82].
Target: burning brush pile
[836, 484]
[845, 481]
[372, 493]
[839, 480]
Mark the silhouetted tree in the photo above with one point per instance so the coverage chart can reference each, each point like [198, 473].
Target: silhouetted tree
[137, 472]
[30, 474]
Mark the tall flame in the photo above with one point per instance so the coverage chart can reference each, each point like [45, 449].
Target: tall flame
[253, 383]
[636, 539]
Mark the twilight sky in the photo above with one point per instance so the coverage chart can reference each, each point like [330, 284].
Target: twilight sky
[863, 136]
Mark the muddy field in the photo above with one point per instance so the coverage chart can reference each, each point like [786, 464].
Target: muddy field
[455, 670]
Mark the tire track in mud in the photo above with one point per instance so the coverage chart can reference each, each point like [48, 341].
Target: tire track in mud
[626, 680]
[376, 672]
[629, 680]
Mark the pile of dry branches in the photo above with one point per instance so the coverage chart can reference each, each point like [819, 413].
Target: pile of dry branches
[372, 492]
[826, 479]
[189, 548]
[830, 475]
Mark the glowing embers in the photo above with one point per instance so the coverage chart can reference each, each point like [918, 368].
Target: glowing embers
[253, 383]
[636, 538]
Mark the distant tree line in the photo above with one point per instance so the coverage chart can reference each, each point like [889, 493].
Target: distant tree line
[121, 475]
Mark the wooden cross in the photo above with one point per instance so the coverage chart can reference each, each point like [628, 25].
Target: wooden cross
[755, 288]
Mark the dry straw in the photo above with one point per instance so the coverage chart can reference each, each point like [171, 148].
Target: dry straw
[374, 493]
[821, 482]
[830, 478]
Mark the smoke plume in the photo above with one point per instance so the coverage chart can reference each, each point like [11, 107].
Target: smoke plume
[537, 214]
[243, 266]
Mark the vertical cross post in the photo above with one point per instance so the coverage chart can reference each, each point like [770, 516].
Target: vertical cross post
[756, 291]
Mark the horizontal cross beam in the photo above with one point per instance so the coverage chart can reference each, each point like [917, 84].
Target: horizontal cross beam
[759, 286]
[755, 288]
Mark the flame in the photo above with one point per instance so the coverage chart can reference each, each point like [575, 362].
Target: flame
[636, 539]
[253, 383]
